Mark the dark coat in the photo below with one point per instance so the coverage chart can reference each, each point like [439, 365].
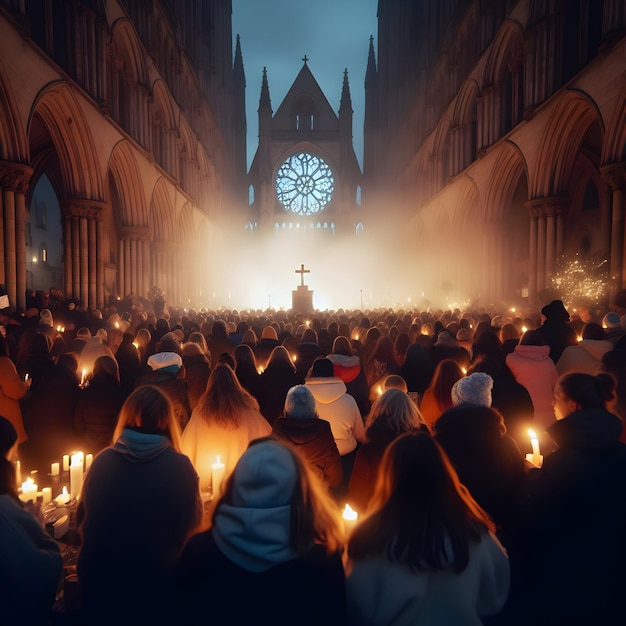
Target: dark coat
[276, 381]
[96, 411]
[308, 590]
[263, 349]
[558, 335]
[488, 462]
[197, 372]
[306, 352]
[313, 438]
[175, 388]
[127, 357]
[249, 379]
[572, 557]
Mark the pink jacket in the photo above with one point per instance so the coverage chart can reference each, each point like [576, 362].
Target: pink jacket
[534, 369]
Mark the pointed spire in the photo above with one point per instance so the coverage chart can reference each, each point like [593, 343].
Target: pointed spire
[371, 72]
[264, 101]
[346, 100]
[238, 70]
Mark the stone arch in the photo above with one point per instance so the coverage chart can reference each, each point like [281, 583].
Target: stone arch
[614, 149]
[573, 116]
[71, 136]
[13, 140]
[508, 167]
[128, 52]
[124, 171]
[162, 222]
[509, 41]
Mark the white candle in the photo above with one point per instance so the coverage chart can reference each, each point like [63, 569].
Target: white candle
[18, 473]
[350, 518]
[29, 491]
[536, 458]
[88, 460]
[66, 462]
[62, 498]
[218, 471]
[54, 469]
[46, 493]
[83, 378]
[76, 475]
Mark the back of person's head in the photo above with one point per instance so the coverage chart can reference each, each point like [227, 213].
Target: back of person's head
[447, 373]
[487, 344]
[393, 381]
[169, 343]
[148, 410]
[587, 391]
[39, 346]
[508, 331]
[321, 368]
[393, 412]
[309, 336]
[342, 345]
[372, 335]
[417, 487]
[244, 356]
[384, 351]
[105, 366]
[191, 348]
[271, 478]
[218, 330]
[269, 332]
[198, 338]
[473, 389]
[532, 338]
[300, 403]
[249, 337]
[593, 331]
[280, 355]
[68, 361]
[142, 338]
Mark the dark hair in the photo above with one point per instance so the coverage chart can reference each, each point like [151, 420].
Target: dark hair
[593, 331]
[589, 392]
[446, 374]
[420, 514]
[532, 338]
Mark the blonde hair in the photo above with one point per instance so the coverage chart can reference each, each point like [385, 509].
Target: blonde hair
[395, 411]
[148, 410]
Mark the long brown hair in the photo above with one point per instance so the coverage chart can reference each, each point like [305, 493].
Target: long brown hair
[224, 399]
[420, 514]
[148, 410]
[314, 514]
[446, 374]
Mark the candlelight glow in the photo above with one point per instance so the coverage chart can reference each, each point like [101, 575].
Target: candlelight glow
[349, 513]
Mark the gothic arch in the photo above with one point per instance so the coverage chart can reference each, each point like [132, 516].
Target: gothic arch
[571, 119]
[508, 42]
[13, 141]
[304, 146]
[509, 166]
[125, 173]
[465, 101]
[128, 52]
[614, 150]
[71, 135]
[162, 213]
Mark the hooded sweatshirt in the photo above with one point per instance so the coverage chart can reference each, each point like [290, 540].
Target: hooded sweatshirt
[339, 409]
[584, 358]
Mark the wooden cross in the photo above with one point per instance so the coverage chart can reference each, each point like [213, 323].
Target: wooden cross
[302, 272]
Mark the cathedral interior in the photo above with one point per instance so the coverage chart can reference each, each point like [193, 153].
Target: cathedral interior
[494, 165]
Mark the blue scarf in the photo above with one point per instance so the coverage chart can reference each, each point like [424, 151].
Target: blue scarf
[139, 447]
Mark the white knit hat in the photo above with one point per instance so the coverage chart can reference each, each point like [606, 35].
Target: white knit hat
[473, 389]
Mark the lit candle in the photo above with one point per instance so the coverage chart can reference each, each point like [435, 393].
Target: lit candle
[380, 390]
[62, 498]
[536, 458]
[76, 475]
[29, 491]
[350, 518]
[26, 377]
[66, 462]
[18, 472]
[83, 378]
[260, 369]
[54, 469]
[294, 358]
[464, 370]
[88, 460]
[46, 493]
[218, 469]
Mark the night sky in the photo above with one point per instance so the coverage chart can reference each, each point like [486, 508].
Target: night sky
[334, 34]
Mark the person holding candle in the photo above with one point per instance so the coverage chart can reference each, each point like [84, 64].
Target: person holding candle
[275, 538]
[140, 501]
[573, 546]
[30, 560]
[225, 420]
[425, 552]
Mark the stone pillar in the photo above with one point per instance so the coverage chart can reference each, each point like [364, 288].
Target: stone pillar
[131, 269]
[615, 176]
[532, 265]
[83, 251]
[14, 181]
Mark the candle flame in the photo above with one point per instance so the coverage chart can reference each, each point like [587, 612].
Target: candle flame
[349, 513]
[532, 434]
[524, 329]
[380, 390]
[464, 370]
[294, 358]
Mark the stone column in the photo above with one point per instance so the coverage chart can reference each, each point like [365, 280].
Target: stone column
[14, 181]
[83, 251]
[615, 176]
[131, 267]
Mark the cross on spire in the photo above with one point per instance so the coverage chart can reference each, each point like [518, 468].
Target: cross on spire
[302, 272]
[305, 58]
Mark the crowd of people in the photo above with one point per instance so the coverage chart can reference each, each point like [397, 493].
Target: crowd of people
[417, 419]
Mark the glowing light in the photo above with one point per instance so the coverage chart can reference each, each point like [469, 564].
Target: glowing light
[581, 278]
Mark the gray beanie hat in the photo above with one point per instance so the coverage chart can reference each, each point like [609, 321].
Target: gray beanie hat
[473, 389]
[300, 402]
